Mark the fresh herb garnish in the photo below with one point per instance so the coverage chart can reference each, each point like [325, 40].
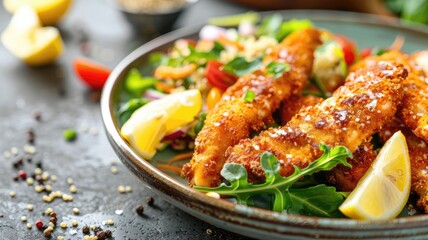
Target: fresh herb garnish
[269, 25]
[286, 198]
[249, 96]
[200, 124]
[136, 84]
[291, 26]
[276, 69]
[414, 11]
[239, 66]
[126, 110]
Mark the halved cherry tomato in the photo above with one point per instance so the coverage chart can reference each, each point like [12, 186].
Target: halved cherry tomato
[213, 97]
[348, 48]
[93, 74]
[217, 78]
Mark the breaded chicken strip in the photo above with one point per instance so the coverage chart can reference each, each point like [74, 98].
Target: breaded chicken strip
[414, 109]
[368, 99]
[418, 152]
[234, 118]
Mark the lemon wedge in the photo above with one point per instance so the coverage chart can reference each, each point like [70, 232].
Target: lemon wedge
[149, 124]
[49, 11]
[25, 38]
[384, 190]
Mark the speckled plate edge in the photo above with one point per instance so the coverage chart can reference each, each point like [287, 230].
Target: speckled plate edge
[253, 222]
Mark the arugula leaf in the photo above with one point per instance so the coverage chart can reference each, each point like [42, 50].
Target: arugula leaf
[126, 110]
[280, 187]
[239, 66]
[249, 96]
[319, 200]
[269, 25]
[291, 26]
[217, 49]
[137, 84]
[276, 69]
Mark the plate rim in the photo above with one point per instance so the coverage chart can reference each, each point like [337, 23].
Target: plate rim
[221, 208]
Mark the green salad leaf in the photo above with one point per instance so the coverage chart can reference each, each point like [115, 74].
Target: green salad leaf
[290, 26]
[200, 124]
[286, 198]
[269, 25]
[136, 84]
[126, 110]
[276, 69]
[239, 66]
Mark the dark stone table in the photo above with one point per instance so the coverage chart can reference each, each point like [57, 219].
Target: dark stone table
[63, 102]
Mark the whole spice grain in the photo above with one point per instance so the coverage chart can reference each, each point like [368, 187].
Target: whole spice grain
[150, 201]
[140, 210]
[48, 231]
[109, 234]
[101, 235]
[30, 136]
[85, 230]
[39, 224]
[37, 115]
[97, 229]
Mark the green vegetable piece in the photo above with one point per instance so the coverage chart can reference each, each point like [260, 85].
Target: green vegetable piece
[239, 66]
[377, 51]
[290, 26]
[200, 123]
[276, 69]
[235, 20]
[157, 58]
[285, 198]
[269, 25]
[217, 49]
[126, 110]
[70, 134]
[395, 5]
[249, 96]
[415, 11]
[137, 84]
[319, 200]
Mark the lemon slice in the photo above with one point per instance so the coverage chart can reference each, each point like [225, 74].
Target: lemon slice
[384, 190]
[49, 11]
[26, 39]
[150, 123]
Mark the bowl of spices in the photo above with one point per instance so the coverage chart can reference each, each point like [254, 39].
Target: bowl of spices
[152, 17]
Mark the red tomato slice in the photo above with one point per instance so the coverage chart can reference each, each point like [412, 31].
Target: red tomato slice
[348, 48]
[217, 78]
[93, 74]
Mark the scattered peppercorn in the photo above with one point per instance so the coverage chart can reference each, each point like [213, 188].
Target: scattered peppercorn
[22, 174]
[39, 224]
[121, 189]
[18, 163]
[30, 136]
[109, 222]
[29, 225]
[85, 230]
[23, 218]
[60, 238]
[47, 232]
[63, 225]
[74, 223]
[209, 231]
[30, 207]
[150, 201]
[16, 178]
[12, 194]
[76, 211]
[39, 165]
[53, 214]
[101, 235]
[70, 134]
[37, 115]
[73, 189]
[140, 210]
[53, 220]
[108, 233]
[128, 189]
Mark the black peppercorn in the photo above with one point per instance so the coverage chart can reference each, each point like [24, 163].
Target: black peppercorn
[150, 201]
[101, 235]
[85, 230]
[140, 210]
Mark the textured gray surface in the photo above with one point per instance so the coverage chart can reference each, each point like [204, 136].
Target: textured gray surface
[64, 102]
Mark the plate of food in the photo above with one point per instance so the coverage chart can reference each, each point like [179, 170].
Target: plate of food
[289, 124]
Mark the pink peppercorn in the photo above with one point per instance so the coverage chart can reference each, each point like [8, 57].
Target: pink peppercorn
[22, 174]
[39, 224]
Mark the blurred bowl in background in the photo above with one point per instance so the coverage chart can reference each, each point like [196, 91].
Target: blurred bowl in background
[149, 22]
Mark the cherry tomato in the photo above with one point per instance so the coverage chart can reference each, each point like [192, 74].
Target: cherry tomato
[348, 48]
[213, 97]
[365, 52]
[217, 78]
[93, 74]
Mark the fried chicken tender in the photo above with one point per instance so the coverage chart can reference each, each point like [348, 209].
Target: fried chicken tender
[414, 107]
[234, 118]
[368, 99]
[418, 152]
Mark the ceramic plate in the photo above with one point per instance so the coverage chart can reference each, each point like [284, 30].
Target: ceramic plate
[367, 31]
